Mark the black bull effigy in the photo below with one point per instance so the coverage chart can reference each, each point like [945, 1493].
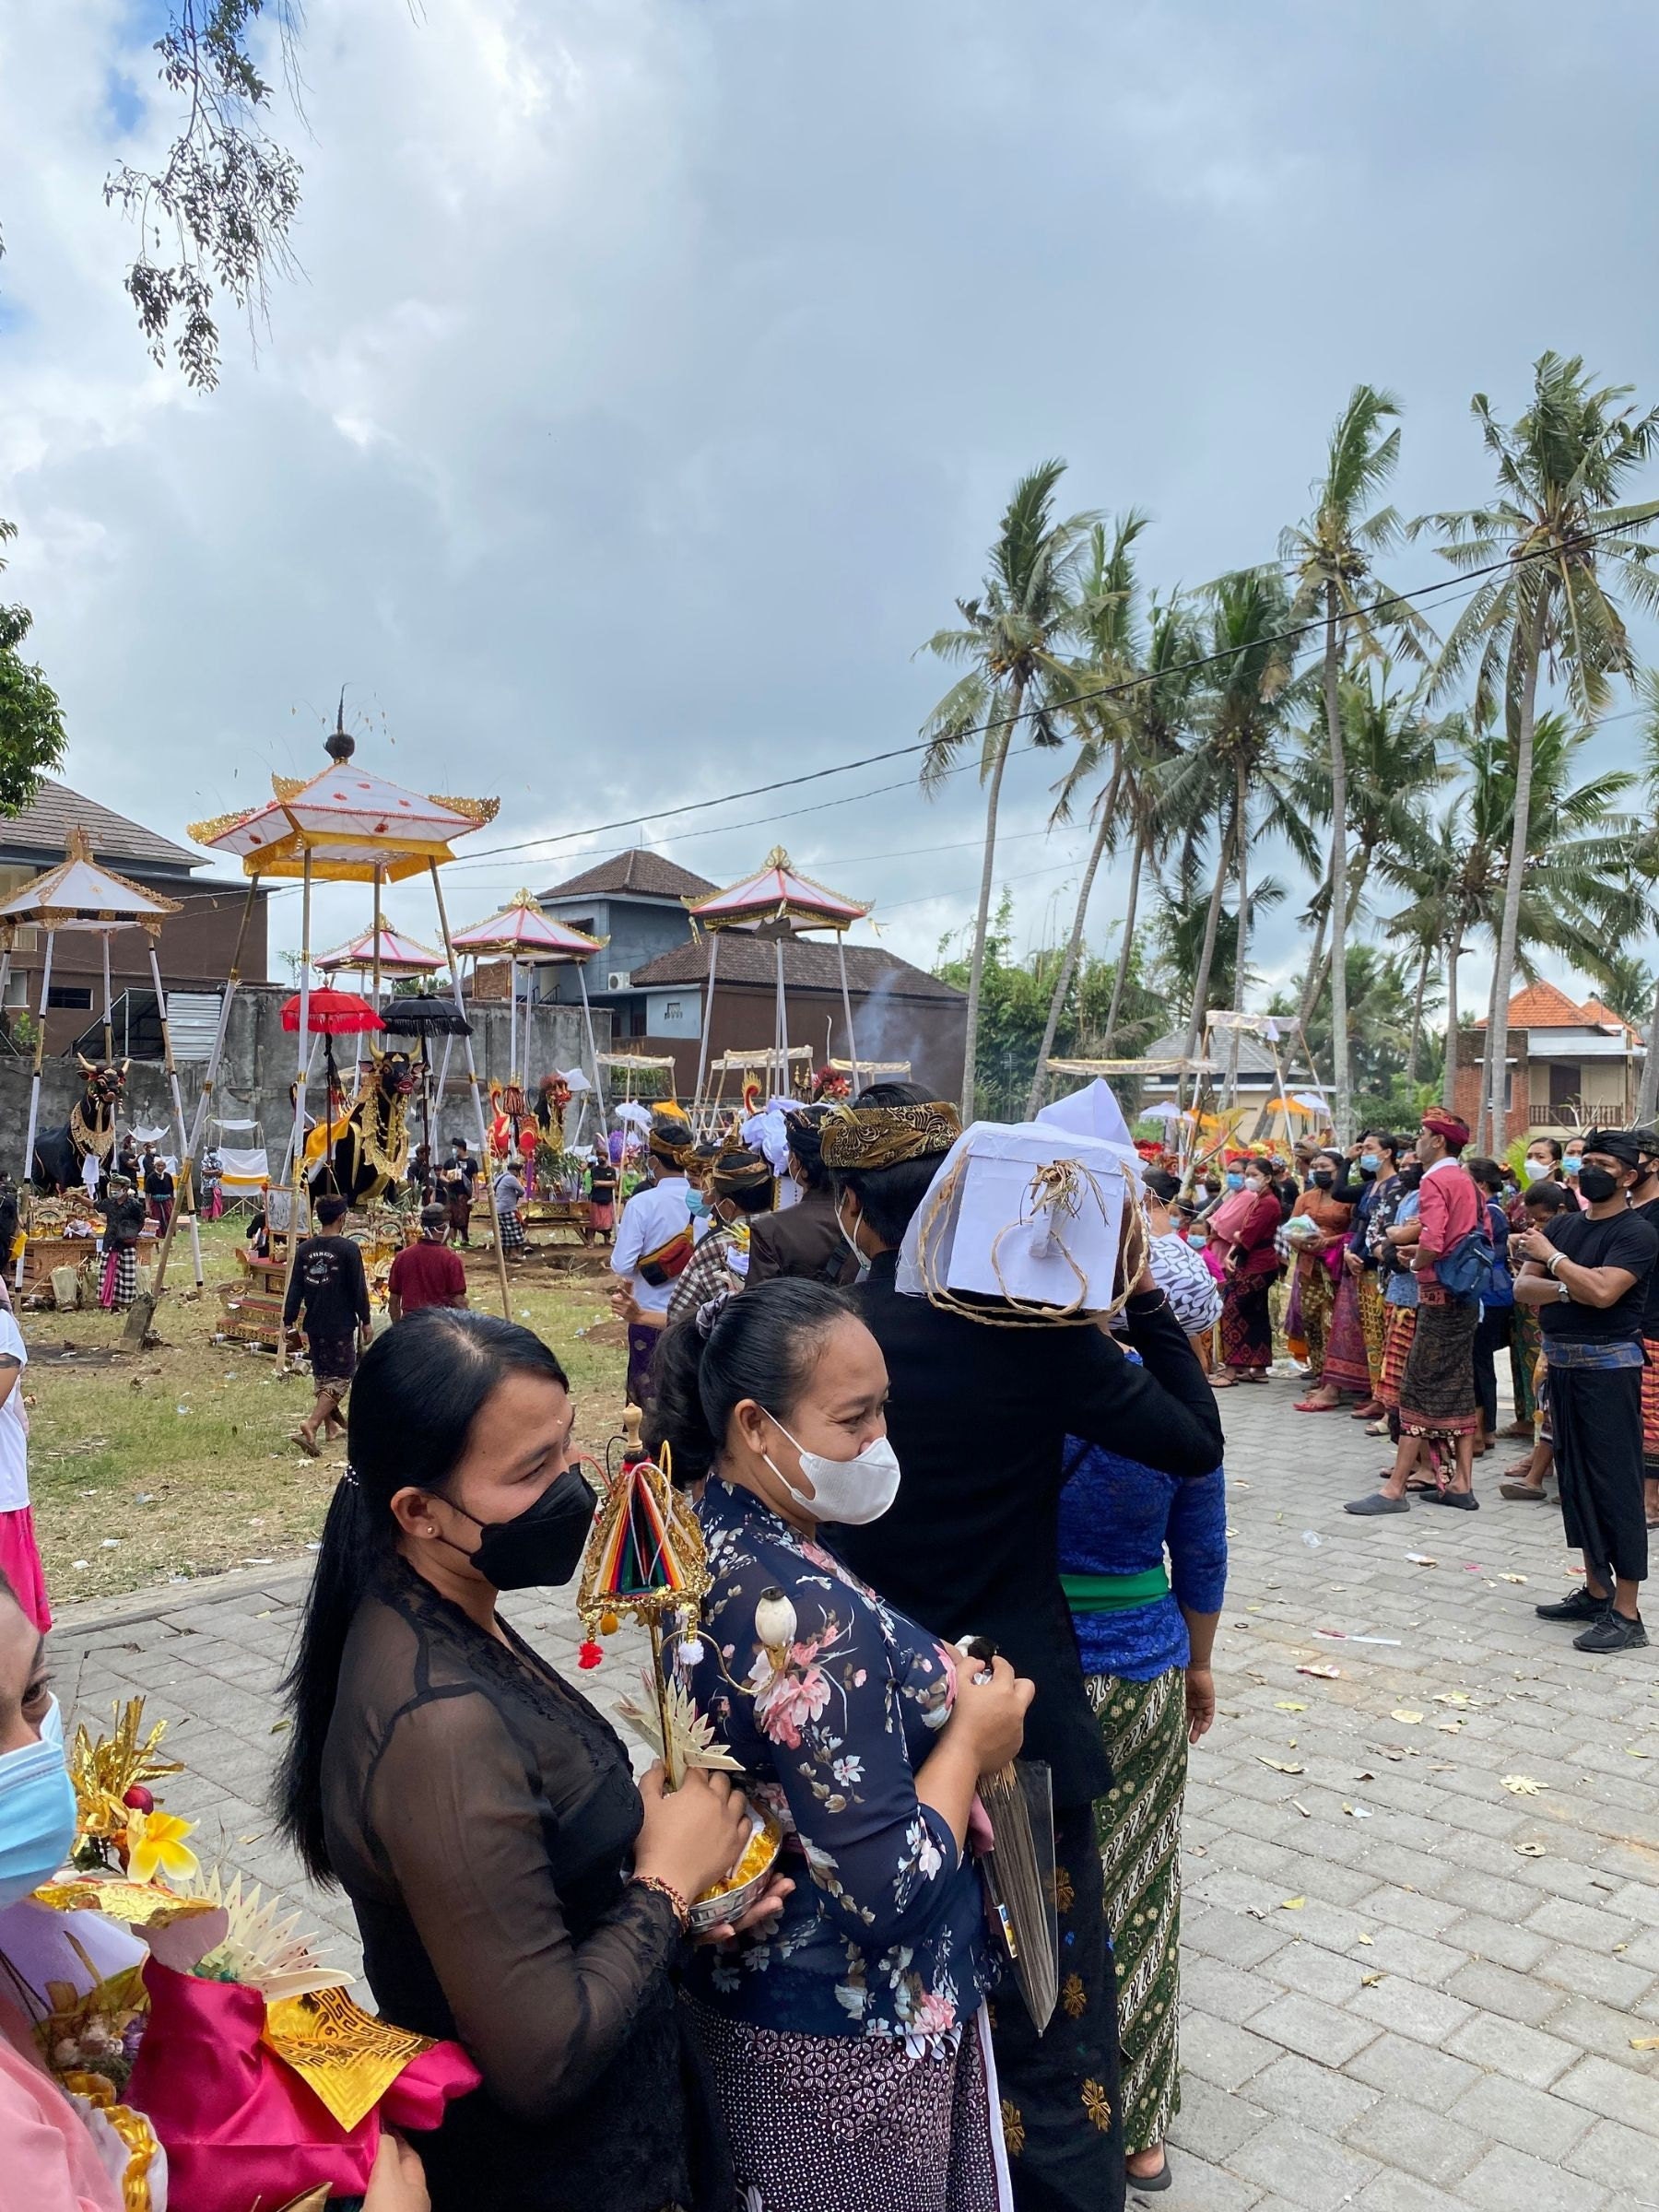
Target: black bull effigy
[89, 1132]
[364, 1152]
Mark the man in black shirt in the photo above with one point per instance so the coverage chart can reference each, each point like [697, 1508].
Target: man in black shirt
[978, 1417]
[1587, 1275]
[1644, 1201]
[332, 1292]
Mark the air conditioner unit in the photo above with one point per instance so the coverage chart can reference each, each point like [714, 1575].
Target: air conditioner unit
[618, 979]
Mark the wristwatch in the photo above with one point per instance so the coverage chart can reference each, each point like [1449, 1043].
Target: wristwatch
[1561, 1292]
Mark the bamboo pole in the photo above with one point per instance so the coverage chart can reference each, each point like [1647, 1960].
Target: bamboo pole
[108, 1011]
[840, 947]
[25, 1185]
[199, 1120]
[708, 1025]
[184, 1183]
[298, 1138]
[587, 1016]
[478, 1096]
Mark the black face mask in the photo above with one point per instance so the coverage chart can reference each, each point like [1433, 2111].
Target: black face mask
[541, 1548]
[1325, 1180]
[1597, 1183]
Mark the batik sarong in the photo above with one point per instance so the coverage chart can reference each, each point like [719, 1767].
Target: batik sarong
[1062, 2106]
[1318, 1297]
[1396, 1349]
[1526, 1348]
[1246, 1324]
[1650, 1408]
[1137, 1824]
[855, 2123]
[1437, 1390]
[1345, 1367]
[118, 1287]
[1374, 1325]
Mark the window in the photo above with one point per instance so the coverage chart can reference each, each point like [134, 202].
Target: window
[673, 1010]
[636, 1021]
[585, 925]
[76, 995]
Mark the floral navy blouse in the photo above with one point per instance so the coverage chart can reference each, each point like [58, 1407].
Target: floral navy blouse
[886, 1937]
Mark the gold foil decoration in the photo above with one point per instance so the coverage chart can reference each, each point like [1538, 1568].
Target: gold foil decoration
[344, 2055]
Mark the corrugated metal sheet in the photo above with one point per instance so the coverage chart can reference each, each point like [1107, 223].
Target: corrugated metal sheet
[192, 1016]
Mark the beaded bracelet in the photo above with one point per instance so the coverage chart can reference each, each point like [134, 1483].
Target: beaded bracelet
[682, 1912]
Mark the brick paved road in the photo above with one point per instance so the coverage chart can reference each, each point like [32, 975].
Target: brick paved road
[1407, 1988]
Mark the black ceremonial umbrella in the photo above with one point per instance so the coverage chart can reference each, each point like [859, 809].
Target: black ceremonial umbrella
[419, 1014]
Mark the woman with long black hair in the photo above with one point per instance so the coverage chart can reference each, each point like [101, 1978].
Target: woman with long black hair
[514, 1887]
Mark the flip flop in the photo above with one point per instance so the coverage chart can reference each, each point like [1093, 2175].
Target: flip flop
[311, 1449]
[1524, 1493]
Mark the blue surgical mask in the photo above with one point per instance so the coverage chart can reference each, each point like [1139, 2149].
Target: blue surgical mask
[1235, 1181]
[697, 1204]
[1569, 1166]
[36, 1811]
[1370, 1161]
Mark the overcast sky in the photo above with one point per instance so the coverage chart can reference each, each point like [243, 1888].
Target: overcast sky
[658, 369]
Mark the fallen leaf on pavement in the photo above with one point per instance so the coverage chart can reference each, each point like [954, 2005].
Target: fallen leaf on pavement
[1452, 1697]
[1370, 1980]
[1406, 1718]
[1365, 1939]
[1291, 1904]
[1282, 1766]
[1288, 1705]
[1421, 1559]
[1523, 1785]
[1366, 1776]
[1322, 1674]
[1645, 2042]
[1357, 1812]
[1512, 1578]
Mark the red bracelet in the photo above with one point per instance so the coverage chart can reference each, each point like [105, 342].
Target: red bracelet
[682, 1912]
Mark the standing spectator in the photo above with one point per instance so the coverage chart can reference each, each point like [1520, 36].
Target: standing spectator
[654, 1247]
[428, 1274]
[123, 1224]
[1588, 1275]
[1645, 1200]
[1523, 1484]
[213, 1182]
[19, 1556]
[602, 1193]
[1497, 1304]
[805, 1239]
[1182, 1275]
[509, 1198]
[329, 1296]
[1318, 1266]
[1437, 1390]
[1379, 1167]
[1286, 1188]
[1248, 1226]
[459, 1178]
[1541, 1165]
[159, 1189]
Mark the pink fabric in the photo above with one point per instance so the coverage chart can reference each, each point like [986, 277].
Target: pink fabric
[1448, 1208]
[240, 2127]
[1230, 1216]
[50, 2165]
[20, 1564]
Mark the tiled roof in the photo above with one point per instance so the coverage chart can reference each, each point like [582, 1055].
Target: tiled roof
[647, 874]
[808, 965]
[39, 831]
[1254, 1059]
[1547, 1007]
[1594, 1010]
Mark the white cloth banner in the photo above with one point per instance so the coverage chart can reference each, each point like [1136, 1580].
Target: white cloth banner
[243, 1171]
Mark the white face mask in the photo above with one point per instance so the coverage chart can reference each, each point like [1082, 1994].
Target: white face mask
[854, 1491]
[852, 1243]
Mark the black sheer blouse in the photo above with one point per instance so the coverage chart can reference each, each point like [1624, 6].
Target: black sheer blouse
[480, 1816]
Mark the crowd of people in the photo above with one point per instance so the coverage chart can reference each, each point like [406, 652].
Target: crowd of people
[1404, 1269]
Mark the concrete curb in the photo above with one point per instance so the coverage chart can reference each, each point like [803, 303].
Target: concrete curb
[132, 1607]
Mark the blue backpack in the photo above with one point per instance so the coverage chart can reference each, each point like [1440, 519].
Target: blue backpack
[1468, 1269]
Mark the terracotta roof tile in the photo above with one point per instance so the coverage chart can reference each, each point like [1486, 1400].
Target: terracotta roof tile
[809, 964]
[1543, 1006]
[40, 828]
[648, 874]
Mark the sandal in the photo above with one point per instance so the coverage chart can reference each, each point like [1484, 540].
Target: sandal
[308, 1444]
[1527, 1493]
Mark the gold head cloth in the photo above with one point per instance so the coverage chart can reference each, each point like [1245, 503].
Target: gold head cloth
[883, 1136]
[670, 1138]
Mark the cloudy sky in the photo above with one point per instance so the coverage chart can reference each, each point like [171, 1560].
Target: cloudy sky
[657, 370]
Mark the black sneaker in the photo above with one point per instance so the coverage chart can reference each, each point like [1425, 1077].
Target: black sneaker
[1612, 1632]
[1580, 1605]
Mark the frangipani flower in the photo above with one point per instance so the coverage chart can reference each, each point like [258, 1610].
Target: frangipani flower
[156, 1844]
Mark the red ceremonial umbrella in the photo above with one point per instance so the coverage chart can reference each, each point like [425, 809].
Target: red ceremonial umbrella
[332, 1014]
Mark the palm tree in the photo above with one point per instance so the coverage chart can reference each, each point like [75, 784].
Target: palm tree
[1106, 619]
[1394, 756]
[1330, 556]
[1558, 532]
[1240, 771]
[1014, 641]
[1647, 690]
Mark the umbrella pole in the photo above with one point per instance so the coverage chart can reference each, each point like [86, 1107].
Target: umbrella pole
[782, 1023]
[840, 948]
[472, 1078]
[708, 1024]
[109, 1022]
[449, 1039]
[513, 1046]
[587, 1016]
[298, 1136]
[25, 1184]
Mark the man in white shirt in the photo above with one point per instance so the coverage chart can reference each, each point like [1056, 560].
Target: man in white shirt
[653, 1245]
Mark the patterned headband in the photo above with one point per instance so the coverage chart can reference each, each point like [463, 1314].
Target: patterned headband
[884, 1136]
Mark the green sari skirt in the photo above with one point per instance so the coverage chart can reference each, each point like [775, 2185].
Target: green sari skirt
[1138, 1826]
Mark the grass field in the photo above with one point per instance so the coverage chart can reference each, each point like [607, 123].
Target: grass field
[178, 1462]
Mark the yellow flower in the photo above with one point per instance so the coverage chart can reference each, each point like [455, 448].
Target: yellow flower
[1098, 2105]
[1073, 1996]
[1013, 2128]
[156, 1844]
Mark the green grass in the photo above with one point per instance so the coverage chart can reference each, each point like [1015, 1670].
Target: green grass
[178, 1461]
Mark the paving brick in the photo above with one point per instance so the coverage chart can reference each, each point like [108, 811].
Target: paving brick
[1304, 2169]
[1603, 2029]
[1314, 2096]
[1318, 2031]
[1395, 2063]
[1227, 1993]
[1222, 2053]
[1582, 1924]
[1398, 2132]
[1506, 2047]
[1428, 2015]
[1494, 1988]
[1212, 2122]
[1627, 2094]
[1537, 2121]
[1628, 2159]
[1397, 2192]
[1508, 2180]
[1500, 1940]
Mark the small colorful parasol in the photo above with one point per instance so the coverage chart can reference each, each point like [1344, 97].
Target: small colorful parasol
[331, 1014]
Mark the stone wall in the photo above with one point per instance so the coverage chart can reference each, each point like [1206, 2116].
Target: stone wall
[260, 1062]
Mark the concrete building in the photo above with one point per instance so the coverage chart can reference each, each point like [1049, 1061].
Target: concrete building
[194, 948]
[1571, 1066]
[652, 978]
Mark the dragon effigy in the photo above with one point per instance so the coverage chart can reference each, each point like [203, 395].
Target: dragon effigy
[512, 1125]
[552, 1099]
[90, 1132]
[367, 1148]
